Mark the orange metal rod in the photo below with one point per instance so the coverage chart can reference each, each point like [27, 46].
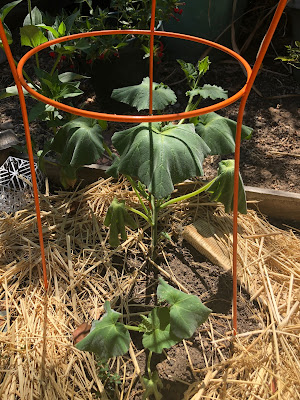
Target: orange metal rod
[29, 147]
[256, 67]
[133, 118]
[152, 26]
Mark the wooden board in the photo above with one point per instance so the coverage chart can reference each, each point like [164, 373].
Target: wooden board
[275, 203]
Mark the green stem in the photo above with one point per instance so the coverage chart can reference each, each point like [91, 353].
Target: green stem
[55, 64]
[134, 328]
[29, 10]
[107, 149]
[138, 196]
[26, 76]
[189, 195]
[187, 108]
[155, 210]
[149, 365]
[140, 214]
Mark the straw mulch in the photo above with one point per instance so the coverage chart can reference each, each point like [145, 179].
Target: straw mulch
[38, 359]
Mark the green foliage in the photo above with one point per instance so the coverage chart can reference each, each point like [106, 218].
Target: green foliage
[293, 57]
[160, 156]
[117, 218]
[219, 132]
[32, 36]
[192, 73]
[222, 189]
[35, 17]
[159, 335]
[153, 385]
[3, 13]
[209, 91]
[186, 311]
[56, 86]
[110, 380]
[108, 338]
[138, 95]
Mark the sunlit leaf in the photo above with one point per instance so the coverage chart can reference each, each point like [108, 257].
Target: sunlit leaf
[160, 337]
[212, 91]
[7, 8]
[138, 95]
[187, 312]
[33, 18]
[32, 36]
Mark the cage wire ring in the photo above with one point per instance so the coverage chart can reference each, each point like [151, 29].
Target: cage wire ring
[133, 118]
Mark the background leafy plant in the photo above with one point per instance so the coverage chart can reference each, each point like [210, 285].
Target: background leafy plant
[76, 141]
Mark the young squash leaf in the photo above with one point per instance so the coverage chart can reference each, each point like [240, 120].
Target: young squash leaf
[187, 312]
[160, 156]
[138, 96]
[160, 336]
[219, 133]
[212, 91]
[192, 73]
[222, 189]
[117, 218]
[107, 338]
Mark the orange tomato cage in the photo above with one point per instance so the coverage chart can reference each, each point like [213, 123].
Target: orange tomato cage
[243, 94]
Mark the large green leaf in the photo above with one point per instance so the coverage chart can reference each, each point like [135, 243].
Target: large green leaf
[7, 8]
[3, 13]
[160, 337]
[138, 95]
[187, 312]
[222, 189]
[212, 91]
[79, 141]
[33, 18]
[108, 338]
[117, 218]
[32, 36]
[219, 133]
[160, 156]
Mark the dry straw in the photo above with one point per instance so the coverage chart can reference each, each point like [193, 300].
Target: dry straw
[38, 359]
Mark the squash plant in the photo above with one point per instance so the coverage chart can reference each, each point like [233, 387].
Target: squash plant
[165, 326]
[156, 156]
